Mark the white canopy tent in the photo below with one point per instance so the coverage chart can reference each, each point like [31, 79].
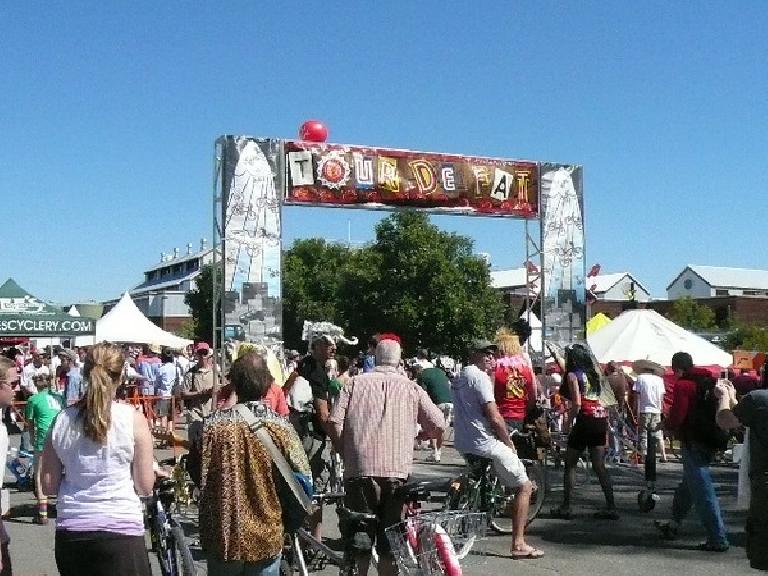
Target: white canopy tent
[126, 323]
[647, 335]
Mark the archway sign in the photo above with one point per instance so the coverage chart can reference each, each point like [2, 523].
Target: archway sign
[255, 177]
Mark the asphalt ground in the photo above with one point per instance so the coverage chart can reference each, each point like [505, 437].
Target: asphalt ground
[582, 545]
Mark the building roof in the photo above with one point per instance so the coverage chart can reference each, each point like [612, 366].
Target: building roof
[165, 283]
[515, 278]
[180, 260]
[604, 282]
[722, 277]
[512, 278]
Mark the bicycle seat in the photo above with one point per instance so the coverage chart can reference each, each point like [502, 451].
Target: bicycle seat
[475, 460]
[421, 488]
[476, 465]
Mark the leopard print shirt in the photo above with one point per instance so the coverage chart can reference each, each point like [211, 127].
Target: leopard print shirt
[240, 514]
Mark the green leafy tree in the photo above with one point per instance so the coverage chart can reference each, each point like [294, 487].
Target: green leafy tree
[200, 302]
[748, 337]
[422, 283]
[415, 280]
[312, 274]
[688, 313]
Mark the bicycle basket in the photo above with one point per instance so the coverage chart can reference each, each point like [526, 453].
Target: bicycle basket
[438, 543]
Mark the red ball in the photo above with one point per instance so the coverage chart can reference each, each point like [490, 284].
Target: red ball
[313, 131]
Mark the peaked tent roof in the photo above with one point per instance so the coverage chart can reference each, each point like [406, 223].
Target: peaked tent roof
[647, 335]
[10, 289]
[126, 323]
[597, 322]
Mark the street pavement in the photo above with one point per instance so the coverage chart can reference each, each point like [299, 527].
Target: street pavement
[583, 545]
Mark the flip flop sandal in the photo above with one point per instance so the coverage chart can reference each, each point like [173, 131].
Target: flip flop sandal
[530, 554]
[560, 513]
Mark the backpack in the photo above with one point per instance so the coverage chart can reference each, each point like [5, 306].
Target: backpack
[701, 424]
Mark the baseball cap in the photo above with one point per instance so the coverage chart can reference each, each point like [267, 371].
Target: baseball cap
[203, 347]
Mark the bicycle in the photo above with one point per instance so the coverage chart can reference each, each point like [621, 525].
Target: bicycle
[296, 558]
[480, 490]
[165, 534]
[301, 549]
[434, 543]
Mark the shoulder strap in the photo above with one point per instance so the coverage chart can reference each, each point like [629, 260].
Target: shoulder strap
[277, 457]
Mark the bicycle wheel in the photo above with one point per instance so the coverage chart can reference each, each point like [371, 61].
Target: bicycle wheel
[537, 474]
[188, 567]
[500, 507]
[167, 556]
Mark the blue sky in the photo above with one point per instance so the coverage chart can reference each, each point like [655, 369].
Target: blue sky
[109, 111]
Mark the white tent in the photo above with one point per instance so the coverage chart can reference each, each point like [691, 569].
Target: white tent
[646, 334]
[126, 323]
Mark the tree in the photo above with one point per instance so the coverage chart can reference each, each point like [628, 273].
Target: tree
[200, 302]
[688, 313]
[415, 280]
[422, 283]
[312, 273]
[748, 337]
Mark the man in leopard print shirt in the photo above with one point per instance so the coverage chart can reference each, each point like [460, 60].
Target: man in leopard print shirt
[241, 529]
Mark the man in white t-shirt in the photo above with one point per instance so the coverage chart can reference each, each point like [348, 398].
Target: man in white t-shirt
[649, 391]
[31, 371]
[480, 430]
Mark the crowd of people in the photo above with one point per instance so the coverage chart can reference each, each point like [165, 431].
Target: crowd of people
[89, 413]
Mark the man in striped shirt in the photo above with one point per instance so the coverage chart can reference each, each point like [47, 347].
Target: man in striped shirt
[373, 426]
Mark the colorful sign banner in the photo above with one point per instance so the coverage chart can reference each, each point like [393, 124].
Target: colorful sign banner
[251, 238]
[562, 245]
[334, 174]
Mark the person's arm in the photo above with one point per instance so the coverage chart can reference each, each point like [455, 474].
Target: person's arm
[143, 474]
[531, 391]
[50, 469]
[429, 417]
[290, 382]
[336, 419]
[574, 404]
[727, 418]
[321, 410]
[498, 425]
[29, 417]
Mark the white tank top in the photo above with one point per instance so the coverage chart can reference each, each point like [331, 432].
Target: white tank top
[96, 491]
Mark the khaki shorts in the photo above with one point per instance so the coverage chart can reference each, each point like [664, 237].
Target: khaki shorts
[506, 464]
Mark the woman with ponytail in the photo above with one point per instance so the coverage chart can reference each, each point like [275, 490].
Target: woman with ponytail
[98, 460]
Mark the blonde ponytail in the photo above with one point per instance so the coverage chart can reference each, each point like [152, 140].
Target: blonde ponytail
[103, 370]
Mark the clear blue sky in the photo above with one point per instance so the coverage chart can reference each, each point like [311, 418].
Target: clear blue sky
[109, 111]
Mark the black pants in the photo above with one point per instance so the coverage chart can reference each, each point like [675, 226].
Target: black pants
[101, 554]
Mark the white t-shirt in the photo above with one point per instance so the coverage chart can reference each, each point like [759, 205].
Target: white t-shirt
[28, 374]
[650, 393]
[300, 396]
